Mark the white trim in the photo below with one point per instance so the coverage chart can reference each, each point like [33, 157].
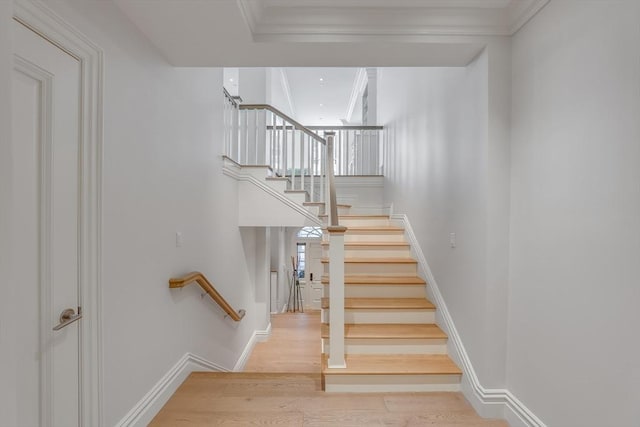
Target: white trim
[486, 401]
[37, 16]
[233, 170]
[359, 84]
[359, 181]
[256, 337]
[143, 412]
[284, 82]
[497, 18]
[526, 15]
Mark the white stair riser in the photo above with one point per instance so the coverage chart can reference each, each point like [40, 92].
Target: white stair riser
[343, 210]
[257, 172]
[381, 291]
[372, 252]
[366, 236]
[362, 222]
[297, 197]
[277, 184]
[384, 316]
[316, 210]
[378, 269]
[391, 346]
[391, 383]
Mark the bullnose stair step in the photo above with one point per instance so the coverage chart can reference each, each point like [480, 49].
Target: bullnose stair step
[384, 304]
[389, 331]
[375, 261]
[392, 372]
[394, 364]
[379, 280]
[372, 244]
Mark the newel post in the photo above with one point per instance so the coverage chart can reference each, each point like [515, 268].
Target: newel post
[336, 266]
[336, 297]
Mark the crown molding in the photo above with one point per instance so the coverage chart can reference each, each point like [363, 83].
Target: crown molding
[355, 20]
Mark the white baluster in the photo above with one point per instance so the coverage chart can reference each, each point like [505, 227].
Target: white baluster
[312, 150]
[303, 148]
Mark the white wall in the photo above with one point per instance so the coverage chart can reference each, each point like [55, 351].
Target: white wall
[277, 93]
[162, 173]
[253, 84]
[7, 301]
[575, 225]
[445, 160]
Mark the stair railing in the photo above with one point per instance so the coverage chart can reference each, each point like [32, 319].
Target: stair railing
[358, 150]
[267, 136]
[200, 279]
[230, 118]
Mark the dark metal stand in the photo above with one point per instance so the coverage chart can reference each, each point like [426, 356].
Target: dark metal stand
[295, 296]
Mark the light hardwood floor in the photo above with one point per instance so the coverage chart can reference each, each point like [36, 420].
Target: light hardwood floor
[281, 386]
[294, 345]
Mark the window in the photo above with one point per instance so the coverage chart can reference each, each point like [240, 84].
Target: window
[301, 259]
[310, 233]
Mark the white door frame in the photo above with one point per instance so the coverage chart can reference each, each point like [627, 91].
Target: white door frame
[45, 22]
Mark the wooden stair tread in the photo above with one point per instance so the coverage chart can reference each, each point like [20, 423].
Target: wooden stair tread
[372, 244]
[296, 191]
[230, 376]
[384, 304]
[376, 228]
[381, 260]
[378, 280]
[394, 364]
[356, 216]
[277, 178]
[322, 204]
[388, 331]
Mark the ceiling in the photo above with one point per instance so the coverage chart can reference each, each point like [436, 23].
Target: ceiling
[321, 95]
[316, 33]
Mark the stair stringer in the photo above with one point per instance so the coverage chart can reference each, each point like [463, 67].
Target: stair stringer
[260, 205]
[488, 402]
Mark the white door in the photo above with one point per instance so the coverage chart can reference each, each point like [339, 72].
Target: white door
[46, 140]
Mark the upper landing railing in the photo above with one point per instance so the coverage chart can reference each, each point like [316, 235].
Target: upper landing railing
[357, 149]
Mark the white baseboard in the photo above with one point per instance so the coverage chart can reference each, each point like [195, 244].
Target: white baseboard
[489, 403]
[147, 408]
[257, 336]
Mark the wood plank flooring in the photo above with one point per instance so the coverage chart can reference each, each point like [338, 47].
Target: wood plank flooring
[285, 389]
[294, 345]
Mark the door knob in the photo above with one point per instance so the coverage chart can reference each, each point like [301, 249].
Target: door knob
[67, 317]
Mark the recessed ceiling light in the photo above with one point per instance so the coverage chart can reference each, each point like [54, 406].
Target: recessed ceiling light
[231, 80]
[321, 79]
[322, 105]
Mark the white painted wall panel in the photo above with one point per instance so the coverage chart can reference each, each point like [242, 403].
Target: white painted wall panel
[438, 156]
[575, 225]
[8, 311]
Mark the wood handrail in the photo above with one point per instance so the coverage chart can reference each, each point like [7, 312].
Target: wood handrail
[201, 280]
[283, 116]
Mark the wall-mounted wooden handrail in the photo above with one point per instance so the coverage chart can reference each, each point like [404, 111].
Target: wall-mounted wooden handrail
[199, 278]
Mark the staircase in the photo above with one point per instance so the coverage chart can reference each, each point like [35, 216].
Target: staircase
[391, 340]
[383, 336]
